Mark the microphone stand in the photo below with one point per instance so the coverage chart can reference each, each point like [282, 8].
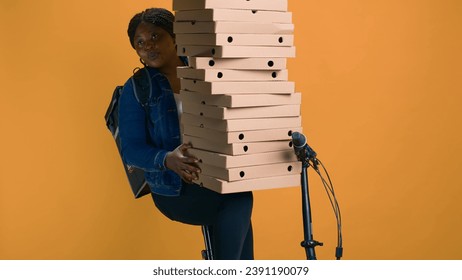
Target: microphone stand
[308, 243]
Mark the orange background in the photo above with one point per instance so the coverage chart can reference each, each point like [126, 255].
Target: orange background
[382, 92]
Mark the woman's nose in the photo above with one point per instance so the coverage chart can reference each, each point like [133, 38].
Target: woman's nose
[150, 45]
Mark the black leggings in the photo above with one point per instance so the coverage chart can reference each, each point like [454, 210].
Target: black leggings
[226, 215]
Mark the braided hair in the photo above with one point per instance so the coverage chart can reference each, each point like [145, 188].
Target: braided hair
[157, 16]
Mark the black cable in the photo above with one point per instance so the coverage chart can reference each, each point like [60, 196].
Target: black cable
[329, 188]
[339, 249]
[337, 208]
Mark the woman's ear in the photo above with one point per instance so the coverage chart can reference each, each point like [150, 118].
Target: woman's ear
[174, 43]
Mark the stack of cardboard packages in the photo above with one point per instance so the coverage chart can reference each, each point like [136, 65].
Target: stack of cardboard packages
[239, 109]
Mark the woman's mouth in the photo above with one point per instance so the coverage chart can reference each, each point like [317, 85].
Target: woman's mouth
[153, 55]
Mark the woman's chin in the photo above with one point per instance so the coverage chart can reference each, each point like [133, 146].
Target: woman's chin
[154, 64]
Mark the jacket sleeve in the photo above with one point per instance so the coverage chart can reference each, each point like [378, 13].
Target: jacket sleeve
[136, 150]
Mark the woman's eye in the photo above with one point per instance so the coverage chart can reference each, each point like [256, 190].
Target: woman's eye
[140, 44]
[155, 36]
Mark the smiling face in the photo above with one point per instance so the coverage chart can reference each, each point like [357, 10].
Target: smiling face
[155, 47]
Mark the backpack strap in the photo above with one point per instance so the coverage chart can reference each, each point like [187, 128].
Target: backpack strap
[142, 88]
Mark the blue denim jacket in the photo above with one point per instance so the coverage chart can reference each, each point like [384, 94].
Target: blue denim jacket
[145, 143]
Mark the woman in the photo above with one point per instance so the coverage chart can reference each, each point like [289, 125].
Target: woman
[153, 143]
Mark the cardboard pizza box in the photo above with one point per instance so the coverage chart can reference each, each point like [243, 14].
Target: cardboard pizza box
[224, 187]
[240, 136]
[227, 161]
[233, 15]
[273, 87]
[235, 51]
[241, 113]
[246, 63]
[281, 40]
[251, 172]
[265, 5]
[234, 149]
[213, 75]
[240, 124]
[242, 100]
[199, 27]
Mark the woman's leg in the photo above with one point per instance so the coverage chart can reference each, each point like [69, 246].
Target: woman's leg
[247, 249]
[195, 205]
[232, 230]
[228, 217]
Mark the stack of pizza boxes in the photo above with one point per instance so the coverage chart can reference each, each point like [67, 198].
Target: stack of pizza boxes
[239, 109]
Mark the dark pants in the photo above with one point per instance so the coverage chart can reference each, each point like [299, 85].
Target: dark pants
[226, 215]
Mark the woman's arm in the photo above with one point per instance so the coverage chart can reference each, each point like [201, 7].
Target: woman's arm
[136, 150]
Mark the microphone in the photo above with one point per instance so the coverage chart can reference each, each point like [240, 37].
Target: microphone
[301, 148]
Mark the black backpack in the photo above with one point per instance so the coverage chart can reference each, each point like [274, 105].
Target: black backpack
[143, 92]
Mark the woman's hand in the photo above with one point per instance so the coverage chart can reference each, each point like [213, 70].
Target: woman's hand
[182, 163]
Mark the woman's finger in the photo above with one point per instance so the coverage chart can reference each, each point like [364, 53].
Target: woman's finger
[190, 168]
[184, 147]
[187, 176]
[189, 160]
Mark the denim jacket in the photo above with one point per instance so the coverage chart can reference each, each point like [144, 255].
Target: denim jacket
[146, 142]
